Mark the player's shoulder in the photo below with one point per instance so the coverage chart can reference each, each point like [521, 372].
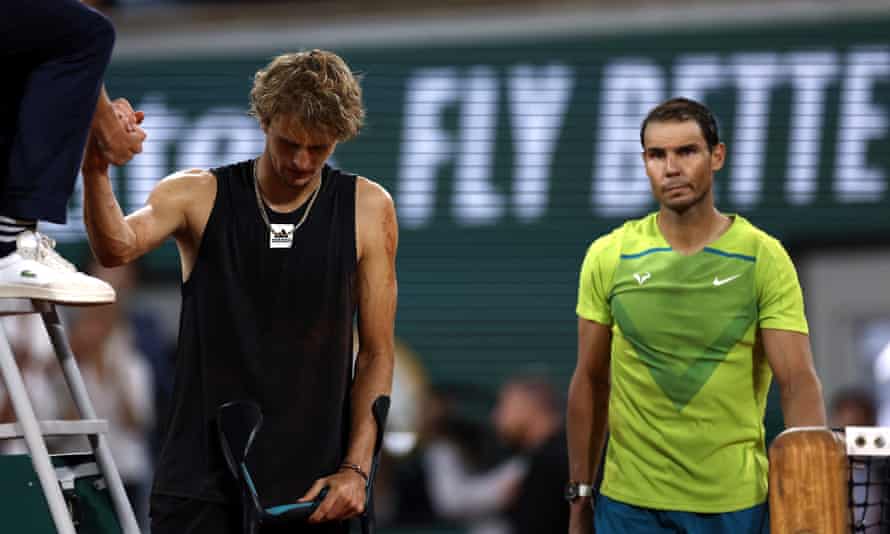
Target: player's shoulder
[375, 215]
[756, 241]
[605, 242]
[372, 192]
[371, 197]
[186, 184]
[633, 233]
[189, 178]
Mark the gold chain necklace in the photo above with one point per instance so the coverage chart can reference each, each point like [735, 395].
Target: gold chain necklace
[262, 206]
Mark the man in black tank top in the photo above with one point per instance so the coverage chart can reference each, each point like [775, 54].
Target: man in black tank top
[281, 256]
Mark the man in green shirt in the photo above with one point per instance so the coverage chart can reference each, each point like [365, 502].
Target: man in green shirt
[684, 316]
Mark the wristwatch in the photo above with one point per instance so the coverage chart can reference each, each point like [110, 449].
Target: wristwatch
[577, 489]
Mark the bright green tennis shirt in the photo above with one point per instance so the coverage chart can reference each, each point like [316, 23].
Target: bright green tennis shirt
[689, 376]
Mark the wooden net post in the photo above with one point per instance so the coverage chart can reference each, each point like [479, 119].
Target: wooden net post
[808, 483]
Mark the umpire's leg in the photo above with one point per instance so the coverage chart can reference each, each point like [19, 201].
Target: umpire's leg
[62, 49]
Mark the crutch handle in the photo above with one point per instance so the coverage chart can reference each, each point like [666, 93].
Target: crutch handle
[380, 409]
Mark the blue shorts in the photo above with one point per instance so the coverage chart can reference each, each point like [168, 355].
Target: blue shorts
[613, 517]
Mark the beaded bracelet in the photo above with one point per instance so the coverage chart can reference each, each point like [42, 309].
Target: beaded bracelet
[355, 467]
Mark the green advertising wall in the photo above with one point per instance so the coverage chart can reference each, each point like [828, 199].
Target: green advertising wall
[507, 159]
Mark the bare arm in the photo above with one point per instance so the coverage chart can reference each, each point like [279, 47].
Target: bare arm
[588, 408]
[116, 239]
[791, 360]
[378, 240]
[377, 292]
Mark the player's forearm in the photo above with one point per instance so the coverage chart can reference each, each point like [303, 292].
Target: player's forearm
[111, 238]
[373, 377]
[587, 415]
[802, 403]
[586, 425]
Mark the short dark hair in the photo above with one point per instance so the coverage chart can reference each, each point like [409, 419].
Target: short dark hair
[684, 109]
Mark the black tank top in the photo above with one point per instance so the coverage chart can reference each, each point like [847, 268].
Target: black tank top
[271, 325]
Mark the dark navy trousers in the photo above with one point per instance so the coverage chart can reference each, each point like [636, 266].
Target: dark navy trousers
[54, 54]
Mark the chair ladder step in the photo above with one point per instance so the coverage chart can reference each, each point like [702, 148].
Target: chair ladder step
[15, 306]
[81, 427]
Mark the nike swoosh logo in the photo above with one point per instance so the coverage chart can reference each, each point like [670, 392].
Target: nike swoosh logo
[719, 282]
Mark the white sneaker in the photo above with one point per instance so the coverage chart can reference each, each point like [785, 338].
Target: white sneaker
[36, 271]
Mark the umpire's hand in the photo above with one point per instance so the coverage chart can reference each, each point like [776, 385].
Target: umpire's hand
[116, 129]
[345, 498]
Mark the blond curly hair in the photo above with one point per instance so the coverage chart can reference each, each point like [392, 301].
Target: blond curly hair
[315, 86]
